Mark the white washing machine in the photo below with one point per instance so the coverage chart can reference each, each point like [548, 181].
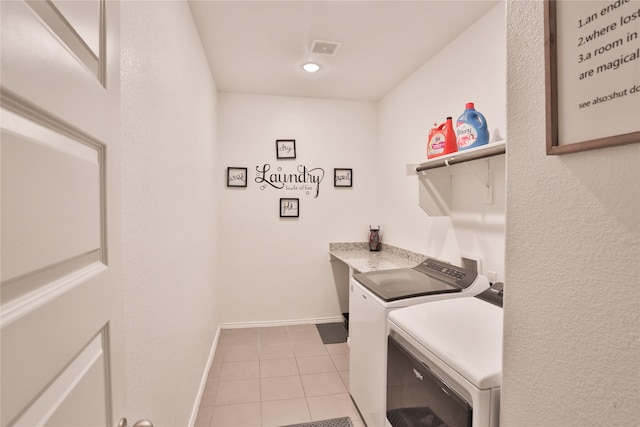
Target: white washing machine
[444, 363]
[372, 297]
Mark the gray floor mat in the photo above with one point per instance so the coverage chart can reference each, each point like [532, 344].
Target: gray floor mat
[332, 333]
[336, 422]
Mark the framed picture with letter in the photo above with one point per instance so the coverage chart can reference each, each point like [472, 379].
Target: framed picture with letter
[289, 208]
[236, 177]
[286, 148]
[592, 64]
[342, 177]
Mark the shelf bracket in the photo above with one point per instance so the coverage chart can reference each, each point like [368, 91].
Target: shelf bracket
[435, 176]
[485, 180]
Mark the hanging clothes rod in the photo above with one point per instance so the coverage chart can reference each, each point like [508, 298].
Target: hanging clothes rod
[488, 150]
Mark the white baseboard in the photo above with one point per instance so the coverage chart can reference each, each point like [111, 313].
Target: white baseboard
[236, 325]
[203, 381]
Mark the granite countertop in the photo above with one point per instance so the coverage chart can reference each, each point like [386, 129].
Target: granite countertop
[358, 256]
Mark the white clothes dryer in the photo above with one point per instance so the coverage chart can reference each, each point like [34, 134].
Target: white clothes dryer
[372, 297]
[444, 364]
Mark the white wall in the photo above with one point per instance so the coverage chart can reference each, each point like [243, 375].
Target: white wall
[168, 131]
[274, 269]
[470, 69]
[572, 322]
[572, 227]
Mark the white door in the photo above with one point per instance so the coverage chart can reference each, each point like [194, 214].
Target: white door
[61, 301]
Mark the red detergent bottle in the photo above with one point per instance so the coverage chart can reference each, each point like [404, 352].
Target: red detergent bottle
[471, 129]
[442, 140]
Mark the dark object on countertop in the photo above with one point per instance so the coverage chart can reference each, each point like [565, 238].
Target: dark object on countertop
[332, 333]
[335, 422]
[374, 239]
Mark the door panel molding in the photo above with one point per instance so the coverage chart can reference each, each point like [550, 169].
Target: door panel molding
[37, 146]
[28, 127]
[57, 23]
[89, 365]
[19, 105]
[27, 302]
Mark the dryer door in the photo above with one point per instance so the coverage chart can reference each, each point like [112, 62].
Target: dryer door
[417, 397]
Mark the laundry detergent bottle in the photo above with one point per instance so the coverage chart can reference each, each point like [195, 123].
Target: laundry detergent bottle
[442, 140]
[471, 129]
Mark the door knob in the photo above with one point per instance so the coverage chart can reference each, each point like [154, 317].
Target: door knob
[141, 423]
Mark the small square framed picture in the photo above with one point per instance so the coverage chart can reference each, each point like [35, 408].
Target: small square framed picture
[342, 177]
[289, 208]
[236, 177]
[286, 148]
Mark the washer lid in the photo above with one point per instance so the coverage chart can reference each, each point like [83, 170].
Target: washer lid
[465, 333]
[400, 283]
[427, 278]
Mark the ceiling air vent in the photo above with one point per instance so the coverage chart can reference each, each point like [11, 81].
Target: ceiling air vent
[324, 47]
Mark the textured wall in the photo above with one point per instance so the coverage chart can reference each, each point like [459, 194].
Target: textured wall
[572, 322]
[168, 131]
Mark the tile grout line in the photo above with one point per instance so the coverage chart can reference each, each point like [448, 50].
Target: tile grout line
[290, 342]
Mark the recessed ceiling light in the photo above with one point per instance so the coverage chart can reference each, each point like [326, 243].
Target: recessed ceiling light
[311, 67]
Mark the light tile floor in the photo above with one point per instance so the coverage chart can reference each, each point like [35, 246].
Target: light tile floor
[276, 376]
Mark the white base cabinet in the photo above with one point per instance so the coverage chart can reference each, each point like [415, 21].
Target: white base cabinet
[368, 351]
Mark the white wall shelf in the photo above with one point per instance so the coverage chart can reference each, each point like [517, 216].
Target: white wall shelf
[435, 176]
[489, 150]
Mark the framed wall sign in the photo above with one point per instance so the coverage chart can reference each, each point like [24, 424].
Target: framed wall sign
[286, 148]
[236, 177]
[289, 208]
[592, 60]
[342, 177]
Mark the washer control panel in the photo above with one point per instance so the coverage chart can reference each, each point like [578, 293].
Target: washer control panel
[447, 272]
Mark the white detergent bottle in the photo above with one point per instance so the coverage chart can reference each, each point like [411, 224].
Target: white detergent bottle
[471, 129]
